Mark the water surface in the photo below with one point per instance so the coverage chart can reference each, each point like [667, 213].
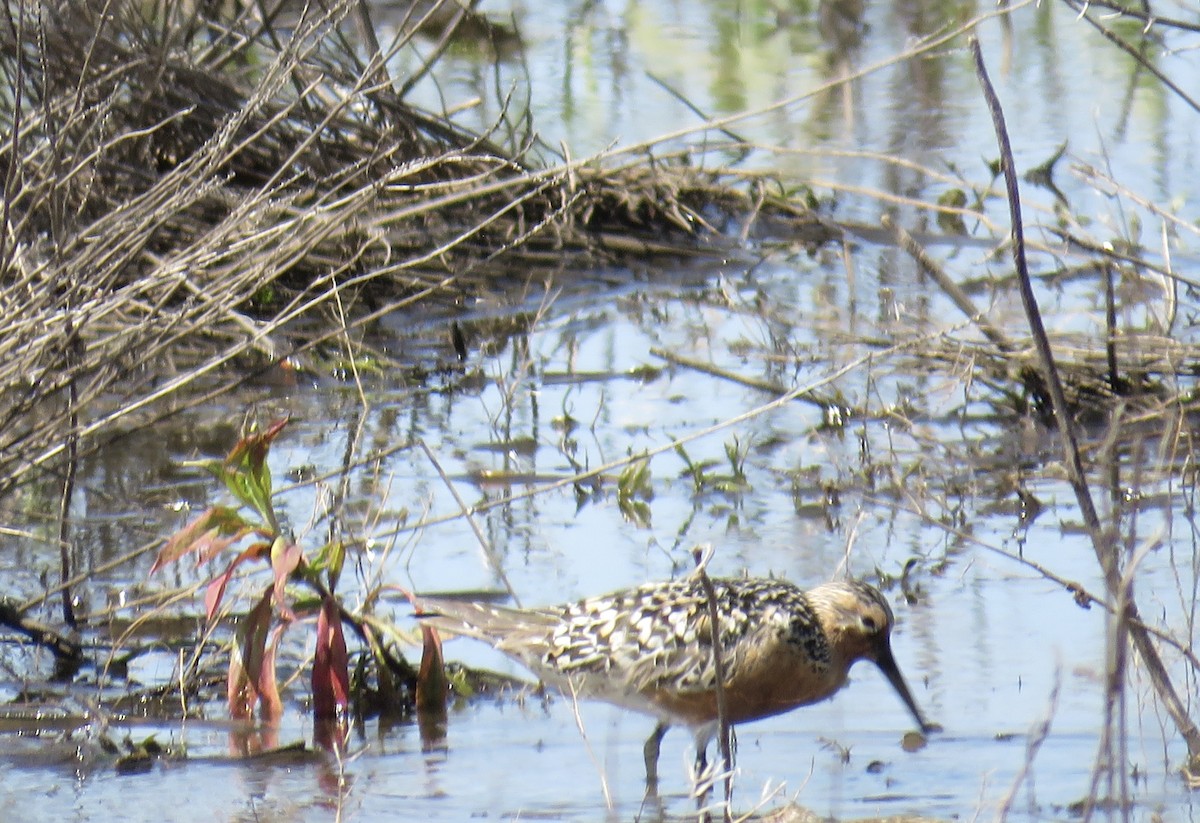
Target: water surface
[991, 648]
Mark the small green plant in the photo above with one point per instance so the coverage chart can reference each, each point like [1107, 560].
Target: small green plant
[251, 531]
[251, 679]
[634, 493]
[705, 480]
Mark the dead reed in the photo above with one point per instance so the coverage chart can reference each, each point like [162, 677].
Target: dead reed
[183, 183]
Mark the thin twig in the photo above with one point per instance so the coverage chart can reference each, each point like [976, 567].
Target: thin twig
[587, 744]
[744, 144]
[954, 291]
[712, 369]
[72, 466]
[1033, 745]
[1138, 57]
[1144, 15]
[1102, 541]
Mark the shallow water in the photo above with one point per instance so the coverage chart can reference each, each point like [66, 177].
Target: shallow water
[990, 648]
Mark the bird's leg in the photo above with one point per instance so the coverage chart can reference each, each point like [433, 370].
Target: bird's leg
[704, 736]
[702, 785]
[650, 754]
[702, 776]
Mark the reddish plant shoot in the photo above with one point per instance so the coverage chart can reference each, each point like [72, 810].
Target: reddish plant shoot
[251, 682]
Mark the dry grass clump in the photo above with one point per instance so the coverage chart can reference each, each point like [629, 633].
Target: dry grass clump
[181, 183]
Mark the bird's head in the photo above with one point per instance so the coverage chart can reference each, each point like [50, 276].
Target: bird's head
[858, 622]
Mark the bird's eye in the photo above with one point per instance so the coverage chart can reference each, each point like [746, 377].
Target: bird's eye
[868, 623]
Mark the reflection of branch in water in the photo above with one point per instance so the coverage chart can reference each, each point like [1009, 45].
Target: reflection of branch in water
[1033, 743]
[63, 648]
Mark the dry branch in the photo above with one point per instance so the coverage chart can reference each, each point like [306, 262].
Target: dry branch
[1103, 541]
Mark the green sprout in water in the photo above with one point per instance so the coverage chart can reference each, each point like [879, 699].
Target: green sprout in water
[634, 491]
[704, 479]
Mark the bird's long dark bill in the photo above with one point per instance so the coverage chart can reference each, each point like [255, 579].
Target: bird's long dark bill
[887, 664]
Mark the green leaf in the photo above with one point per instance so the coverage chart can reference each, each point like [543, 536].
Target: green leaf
[247, 475]
[329, 559]
[635, 511]
[635, 481]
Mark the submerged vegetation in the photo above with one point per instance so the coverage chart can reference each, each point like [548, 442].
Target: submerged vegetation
[199, 196]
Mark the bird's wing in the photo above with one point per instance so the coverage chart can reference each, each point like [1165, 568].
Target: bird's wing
[652, 643]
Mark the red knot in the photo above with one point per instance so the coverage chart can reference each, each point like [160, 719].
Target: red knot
[650, 648]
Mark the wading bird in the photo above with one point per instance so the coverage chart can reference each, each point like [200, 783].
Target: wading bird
[650, 648]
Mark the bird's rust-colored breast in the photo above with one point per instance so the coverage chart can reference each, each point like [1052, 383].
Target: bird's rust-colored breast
[762, 682]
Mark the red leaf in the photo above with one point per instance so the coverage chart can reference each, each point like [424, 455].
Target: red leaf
[270, 704]
[201, 535]
[215, 592]
[432, 685]
[331, 666]
[433, 688]
[252, 449]
[285, 558]
[246, 660]
[240, 693]
[211, 544]
[216, 589]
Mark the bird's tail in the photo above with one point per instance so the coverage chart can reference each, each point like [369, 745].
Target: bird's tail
[500, 626]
